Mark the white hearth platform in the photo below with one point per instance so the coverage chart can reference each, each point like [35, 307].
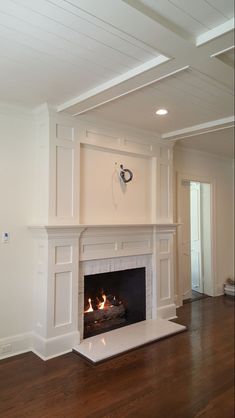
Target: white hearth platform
[109, 344]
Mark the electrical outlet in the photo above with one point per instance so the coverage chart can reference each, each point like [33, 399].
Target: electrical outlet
[5, 237]
[4, 349]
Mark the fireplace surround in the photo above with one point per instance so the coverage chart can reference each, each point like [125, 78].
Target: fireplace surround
[86, 224]
[66, 254]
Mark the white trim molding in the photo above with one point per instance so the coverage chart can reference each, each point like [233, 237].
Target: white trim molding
[216, 32]
[202, 128]
[114, 82]
[213, 279]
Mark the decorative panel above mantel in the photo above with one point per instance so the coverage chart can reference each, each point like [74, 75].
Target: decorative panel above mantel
[84, 186]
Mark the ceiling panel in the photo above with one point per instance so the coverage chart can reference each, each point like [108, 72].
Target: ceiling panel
[190, 97]
[85, 53]
[220, 143]
[227, 56]
[226, 7]
[193, 17]
[57, 39]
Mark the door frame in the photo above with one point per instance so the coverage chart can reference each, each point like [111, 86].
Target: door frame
[201, 179]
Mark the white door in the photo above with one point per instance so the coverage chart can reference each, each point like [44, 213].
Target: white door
[195, 232]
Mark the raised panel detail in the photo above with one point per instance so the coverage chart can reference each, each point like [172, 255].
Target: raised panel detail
[64, 181]
[98, 137]
[164, 245]
[138, 146]
[164, 278]
[130, 245]
[63, 299]
[65, 133]
[63, 254]
[101, 246]
[164, 190]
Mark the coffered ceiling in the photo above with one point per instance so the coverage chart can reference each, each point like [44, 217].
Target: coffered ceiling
[121, 60]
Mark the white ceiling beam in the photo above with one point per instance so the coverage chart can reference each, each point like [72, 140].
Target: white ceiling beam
[115, 81]
[184, 54]
[202, 128]
[215, 32]
[86, 106]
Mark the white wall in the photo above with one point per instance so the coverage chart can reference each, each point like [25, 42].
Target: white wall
[219, 170]
[16, 185]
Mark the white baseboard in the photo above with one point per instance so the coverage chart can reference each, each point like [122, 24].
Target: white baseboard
[219, 289]
[178, 301]
[54, 347]
[167, 312]
[42, 347]
[15, 344]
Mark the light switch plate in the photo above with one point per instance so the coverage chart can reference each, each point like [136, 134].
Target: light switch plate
[5, 237]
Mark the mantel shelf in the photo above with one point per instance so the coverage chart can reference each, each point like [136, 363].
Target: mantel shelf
[74, 226]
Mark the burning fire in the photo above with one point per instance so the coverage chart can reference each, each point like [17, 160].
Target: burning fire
[100, 306]
[90, 309]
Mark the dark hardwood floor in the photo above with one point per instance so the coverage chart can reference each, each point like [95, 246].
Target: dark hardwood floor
[187, 375]
[196, 296]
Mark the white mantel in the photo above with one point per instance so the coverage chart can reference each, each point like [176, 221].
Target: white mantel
[77, 176]
[60, 250]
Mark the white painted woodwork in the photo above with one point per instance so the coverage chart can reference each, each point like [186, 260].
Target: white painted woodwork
[206, 238]
[81, 55]
[18, 148]
[201, 100]
[163, 269]
[55, 325]
[195, 237]
[132, 223]
[115, 241]
[208, 127]
[57, 169]
[218, 144]
[78, 174]
[184, 242]
[192, 17]
[61, 251]
[214, 252]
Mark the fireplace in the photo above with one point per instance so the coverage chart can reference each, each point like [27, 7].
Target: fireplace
[113, 300]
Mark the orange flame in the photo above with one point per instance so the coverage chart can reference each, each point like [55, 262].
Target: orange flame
[90, 309]
[101, 304]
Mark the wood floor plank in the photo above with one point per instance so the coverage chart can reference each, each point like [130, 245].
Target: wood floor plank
[189, 375]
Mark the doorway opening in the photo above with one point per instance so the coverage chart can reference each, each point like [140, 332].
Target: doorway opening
[195, 240]
[200, 237]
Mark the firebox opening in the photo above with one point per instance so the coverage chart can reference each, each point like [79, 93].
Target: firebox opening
[113, 300]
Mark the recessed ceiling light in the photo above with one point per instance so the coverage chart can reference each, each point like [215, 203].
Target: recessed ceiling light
[161, 112]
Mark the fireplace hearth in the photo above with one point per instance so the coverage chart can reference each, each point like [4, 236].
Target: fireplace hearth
[113, 300]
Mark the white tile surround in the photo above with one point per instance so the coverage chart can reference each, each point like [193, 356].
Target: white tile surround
[115, 264]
